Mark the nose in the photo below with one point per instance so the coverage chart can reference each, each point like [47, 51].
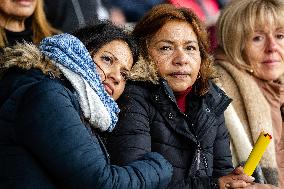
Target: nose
[180, 57]
[271, 44]
[115, 75]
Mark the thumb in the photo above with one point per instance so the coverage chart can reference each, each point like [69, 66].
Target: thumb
[238, 171]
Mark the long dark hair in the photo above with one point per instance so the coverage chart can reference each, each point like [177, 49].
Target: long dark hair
[103, 32]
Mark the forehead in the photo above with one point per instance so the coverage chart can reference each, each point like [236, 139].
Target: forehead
[175, 30]
[120, 50]
[265, 20]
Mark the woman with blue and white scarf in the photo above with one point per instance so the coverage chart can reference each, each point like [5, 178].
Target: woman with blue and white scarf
[53, 100]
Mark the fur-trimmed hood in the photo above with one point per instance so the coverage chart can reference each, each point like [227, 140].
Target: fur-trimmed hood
[66, 56]
[26, 56]
[144, 70]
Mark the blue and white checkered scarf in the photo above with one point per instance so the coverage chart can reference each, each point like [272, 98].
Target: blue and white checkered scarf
[70, 54]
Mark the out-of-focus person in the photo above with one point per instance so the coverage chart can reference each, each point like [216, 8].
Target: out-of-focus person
[206, 10]
[68, 15]
[250, 62]
[124, 12]
[23, 20]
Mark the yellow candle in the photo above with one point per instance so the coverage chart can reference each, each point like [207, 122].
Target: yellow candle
[257, 152]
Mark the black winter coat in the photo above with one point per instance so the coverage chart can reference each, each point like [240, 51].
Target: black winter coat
[45, 145]
[196, 142]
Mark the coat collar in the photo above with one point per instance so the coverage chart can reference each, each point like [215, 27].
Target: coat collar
[213, 104]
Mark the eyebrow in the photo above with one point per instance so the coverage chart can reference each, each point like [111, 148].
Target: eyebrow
[115, 58]
[171, 42]
[125, 69]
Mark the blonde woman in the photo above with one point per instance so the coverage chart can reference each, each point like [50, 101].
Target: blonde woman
[23, 20]
[250, 61]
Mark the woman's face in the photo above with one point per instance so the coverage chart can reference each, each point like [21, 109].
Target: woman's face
[114, 61]
[174, 49]
[17, 8]
[264, 51]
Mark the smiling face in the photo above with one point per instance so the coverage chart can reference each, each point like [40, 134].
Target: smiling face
[264, 52]
[17, 8]
[114, 60]
[174, 49]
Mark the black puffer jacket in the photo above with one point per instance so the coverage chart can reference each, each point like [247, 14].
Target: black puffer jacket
[196, 143]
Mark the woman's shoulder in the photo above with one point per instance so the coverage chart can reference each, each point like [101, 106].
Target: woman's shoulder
[48, 84]
[141, 87]
[214, 89]
[217, 98]
[33, 83]
[22, 87]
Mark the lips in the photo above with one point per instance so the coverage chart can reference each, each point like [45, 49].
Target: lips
[109, 89]
[24, 2]
[270, 61]
[180, 74]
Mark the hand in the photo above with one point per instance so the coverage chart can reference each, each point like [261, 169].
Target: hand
[236, 179]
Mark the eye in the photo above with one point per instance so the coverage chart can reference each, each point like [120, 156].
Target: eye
[165, 48]
[125, 75]
[106, 59]
[257, 38]
[191, 48]
[280, 36]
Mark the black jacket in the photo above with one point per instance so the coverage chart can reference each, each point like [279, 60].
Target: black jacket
[196, 143]
[45, 143]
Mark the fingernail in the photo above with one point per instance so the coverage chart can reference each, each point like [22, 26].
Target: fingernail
[252, 178]
[227, 185]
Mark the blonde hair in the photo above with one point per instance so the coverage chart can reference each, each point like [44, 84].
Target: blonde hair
[238, 20]
[40, 26]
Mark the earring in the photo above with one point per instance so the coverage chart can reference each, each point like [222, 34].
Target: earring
[249, 70]
[198, 75]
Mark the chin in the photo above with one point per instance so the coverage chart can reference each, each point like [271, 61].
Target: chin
[23, 14]
[272, 77]
[179, 89]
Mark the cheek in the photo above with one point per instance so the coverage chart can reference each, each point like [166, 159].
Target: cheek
[118, 91]
[158, 57]
[101, 74]
[195, 63]
[252, 54]
[162, 68]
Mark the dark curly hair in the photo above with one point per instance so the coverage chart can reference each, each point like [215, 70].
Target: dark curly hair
[96, 35]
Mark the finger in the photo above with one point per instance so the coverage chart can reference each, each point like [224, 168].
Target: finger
[238, 184]
[238, 170]
[244, 177]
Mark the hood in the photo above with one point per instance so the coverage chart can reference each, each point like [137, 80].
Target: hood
[144, 70]
[26, 56]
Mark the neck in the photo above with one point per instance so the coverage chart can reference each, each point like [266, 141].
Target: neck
[181, 99]
[12, 24]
